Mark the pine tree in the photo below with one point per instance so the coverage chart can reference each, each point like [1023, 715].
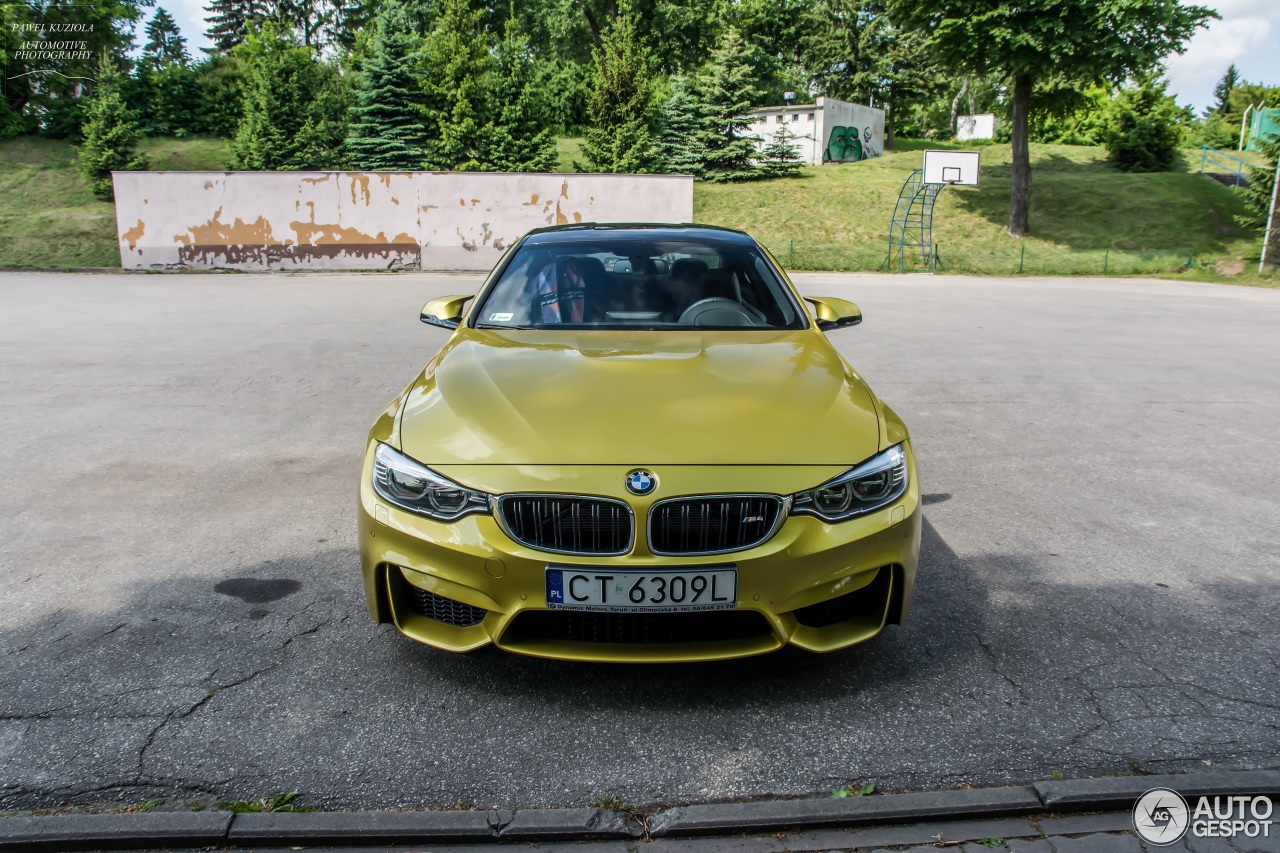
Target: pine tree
[1222, 91]
[165, 44]
[167, 89]
[679, 122]
[458, 70]
[520, 139]
[292, 106]
[230, 20]
[780, 158]
[386, 131]
[726, 94]
[620, 138]
[1257, 193]
[110, 132]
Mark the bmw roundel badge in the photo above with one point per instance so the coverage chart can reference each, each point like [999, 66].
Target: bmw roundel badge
[641, 482]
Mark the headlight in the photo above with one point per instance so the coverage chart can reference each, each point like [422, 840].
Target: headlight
[878, 482]
[411, 485]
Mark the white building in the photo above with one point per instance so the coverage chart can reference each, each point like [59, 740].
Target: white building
[829, 131]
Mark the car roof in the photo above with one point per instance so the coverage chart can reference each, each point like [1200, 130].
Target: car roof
[589, 231]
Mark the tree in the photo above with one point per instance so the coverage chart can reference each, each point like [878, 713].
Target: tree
[521, 138]
[680, 121]
[230, 21]
[780, 158]
[220, 82]
[726, 93]
[169, 98]
[621, 108]
[165, 44]
[842, 46]
[1222, 91]
[1257, 194]
[166, 89]
[1078, 41]
[110, 134]
[1088, 123]
[457, 73]
[292, 106]
[386, 132]
[1142, 133]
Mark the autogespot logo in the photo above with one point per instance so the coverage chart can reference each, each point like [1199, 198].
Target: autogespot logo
[1161, 816]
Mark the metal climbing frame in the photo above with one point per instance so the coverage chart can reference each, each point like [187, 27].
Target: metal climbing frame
[912, 225]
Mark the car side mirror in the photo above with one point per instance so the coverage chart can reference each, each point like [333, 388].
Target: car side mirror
[833, 313]
[445, 312]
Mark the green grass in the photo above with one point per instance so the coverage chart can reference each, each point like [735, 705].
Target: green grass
[1086, 217]
[569, 150]
[48, 216]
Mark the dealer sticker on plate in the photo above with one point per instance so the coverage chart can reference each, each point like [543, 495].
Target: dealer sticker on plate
[605, 590]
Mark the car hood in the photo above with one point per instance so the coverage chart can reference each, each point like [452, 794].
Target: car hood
[639, 398]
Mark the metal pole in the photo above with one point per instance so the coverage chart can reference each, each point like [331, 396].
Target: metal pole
[1244, 118]
[1022, 257]
[1271, 217]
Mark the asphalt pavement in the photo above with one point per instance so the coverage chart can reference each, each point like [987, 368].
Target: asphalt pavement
[182, 616]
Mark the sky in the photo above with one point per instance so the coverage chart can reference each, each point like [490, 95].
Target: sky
[1248, 35]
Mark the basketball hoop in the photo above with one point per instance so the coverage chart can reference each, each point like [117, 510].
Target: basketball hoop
[911, 228]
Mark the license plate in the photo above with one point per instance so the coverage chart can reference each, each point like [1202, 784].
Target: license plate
[576, 588]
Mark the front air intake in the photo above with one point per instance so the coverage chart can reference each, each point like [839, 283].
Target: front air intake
[446, 610]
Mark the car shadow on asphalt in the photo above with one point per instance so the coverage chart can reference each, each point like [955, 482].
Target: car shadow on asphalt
[271, 678]
[949, 603]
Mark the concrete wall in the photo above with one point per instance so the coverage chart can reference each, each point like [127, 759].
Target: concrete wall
[367, 220]
[849, 132]
[980, 126]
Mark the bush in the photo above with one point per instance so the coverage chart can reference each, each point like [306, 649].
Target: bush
[1257, 194]
[1142, 133]
[220, 80]
[1216, 132]
[110, 132]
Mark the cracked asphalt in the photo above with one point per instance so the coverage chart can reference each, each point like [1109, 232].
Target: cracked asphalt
[182, 616]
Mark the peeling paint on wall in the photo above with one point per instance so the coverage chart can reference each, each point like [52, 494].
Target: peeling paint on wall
[134, 234]
[353, 220]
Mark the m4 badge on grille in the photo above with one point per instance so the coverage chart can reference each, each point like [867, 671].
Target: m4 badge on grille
[641, 482]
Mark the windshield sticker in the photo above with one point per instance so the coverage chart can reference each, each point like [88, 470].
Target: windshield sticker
[500, 318]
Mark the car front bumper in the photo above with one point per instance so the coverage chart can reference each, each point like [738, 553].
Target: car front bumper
[466, 584]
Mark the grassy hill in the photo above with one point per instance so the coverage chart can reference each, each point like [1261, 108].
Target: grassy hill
[1085, 216]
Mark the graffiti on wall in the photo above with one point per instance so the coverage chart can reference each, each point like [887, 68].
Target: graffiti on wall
[848, 145]
[850, 132]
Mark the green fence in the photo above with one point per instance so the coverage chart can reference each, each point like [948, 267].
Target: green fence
[1014, 259]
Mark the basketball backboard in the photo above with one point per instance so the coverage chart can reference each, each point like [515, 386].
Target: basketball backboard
[951, 167]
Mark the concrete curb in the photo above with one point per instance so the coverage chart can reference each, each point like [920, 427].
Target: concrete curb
[851, 811]
[1085, 794]
[114, 831]
[328, 828]
[176, 830]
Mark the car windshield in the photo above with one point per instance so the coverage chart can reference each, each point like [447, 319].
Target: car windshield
[645, 284]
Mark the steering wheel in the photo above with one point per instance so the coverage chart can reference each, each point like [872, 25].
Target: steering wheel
[716, 311]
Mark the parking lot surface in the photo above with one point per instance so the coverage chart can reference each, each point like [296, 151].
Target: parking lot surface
[182, 615]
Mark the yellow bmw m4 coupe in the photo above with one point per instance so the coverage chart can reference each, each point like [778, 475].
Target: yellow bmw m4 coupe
[639, 445]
